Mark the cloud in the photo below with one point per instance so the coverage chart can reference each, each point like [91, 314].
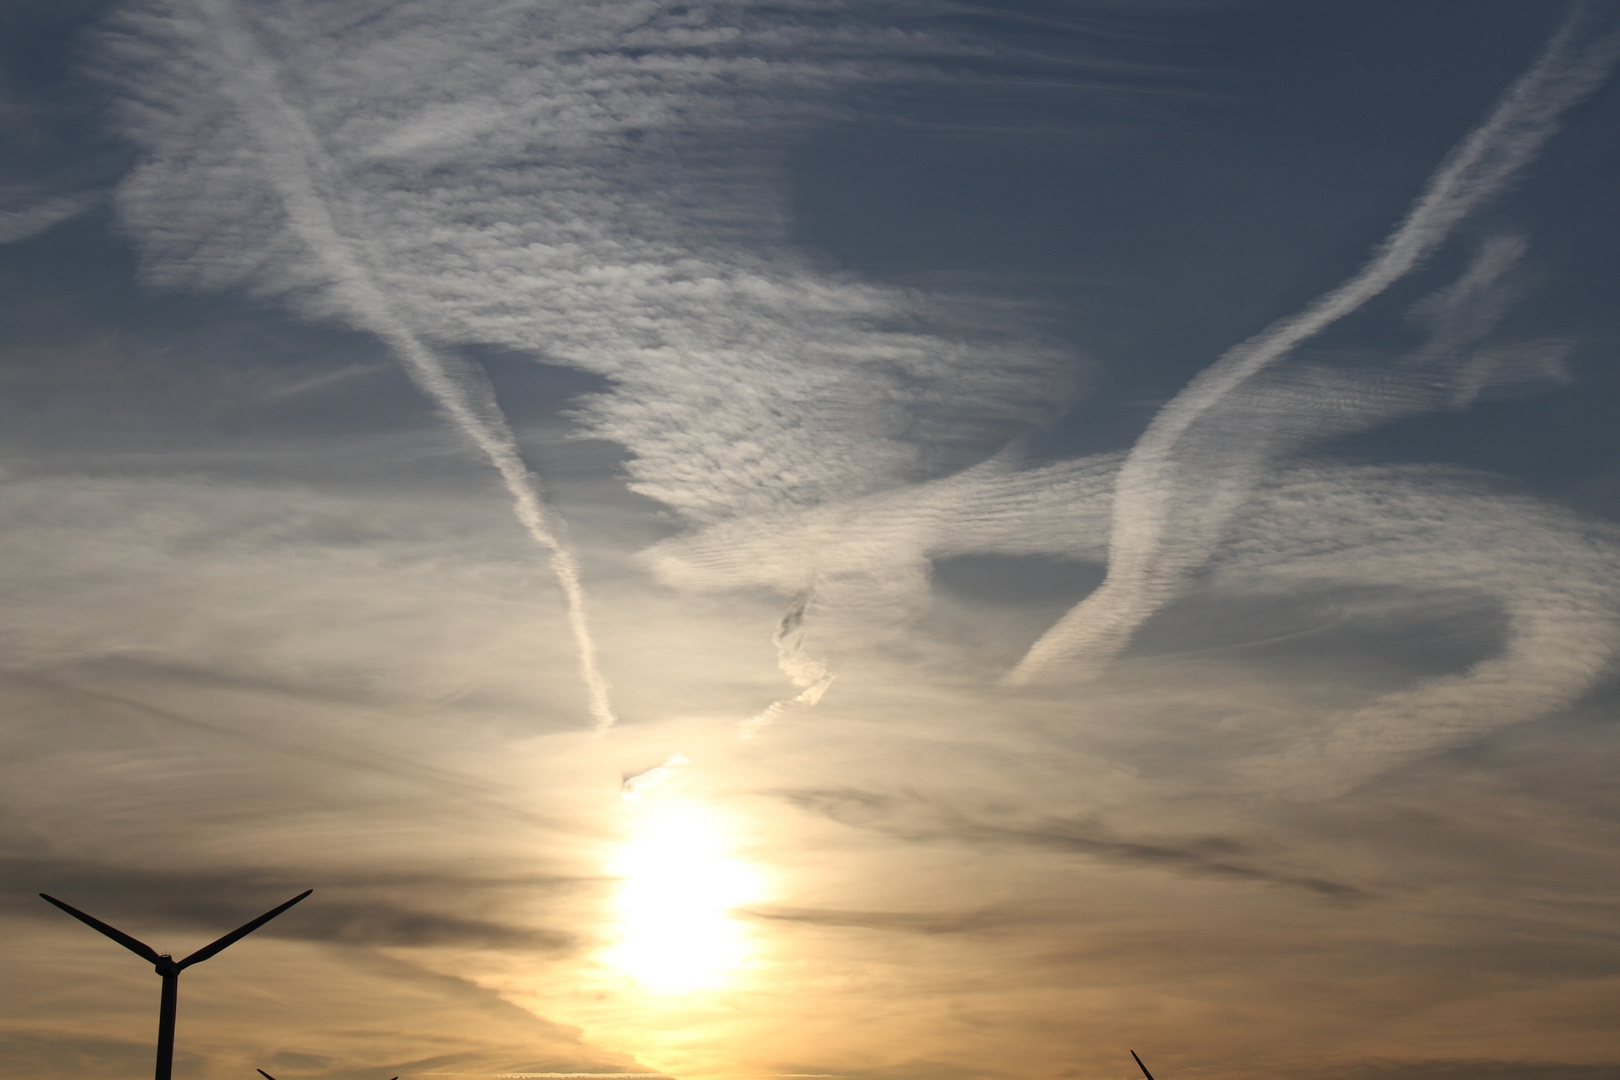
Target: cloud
[1553, 574]
[1310, 525]
[909, 922]
[862, 566]
[34, 218]
[1210, 474]
[268, 127]
[920, 820]
[579, 225]
[594, 185]
[335, 1015]
[637, 783]
[595, 191]
[37, 1053]
[214, 902]
[1470, 1069]
[1198, 460]
[797, 664]
[103, 570]
[216, 686]
[376, 923]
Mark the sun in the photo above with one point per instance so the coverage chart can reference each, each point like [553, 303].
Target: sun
[673, 928]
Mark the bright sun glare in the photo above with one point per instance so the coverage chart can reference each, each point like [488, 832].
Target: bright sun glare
[679, 883]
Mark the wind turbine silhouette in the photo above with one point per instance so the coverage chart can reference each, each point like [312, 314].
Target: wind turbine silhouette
[170, 968]
[1139, 1065]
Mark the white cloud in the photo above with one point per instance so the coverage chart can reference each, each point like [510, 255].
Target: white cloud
[587, 183]
[1194, 466]
[1317, 525]
[608, 205]
[595, 185]
[1426, 532]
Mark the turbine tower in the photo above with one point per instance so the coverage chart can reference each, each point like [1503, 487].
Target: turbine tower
[170, 968]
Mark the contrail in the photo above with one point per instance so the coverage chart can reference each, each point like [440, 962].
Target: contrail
[293, 162]
[804, 670]
[28, 221]
[1161, 488]
[809, 696]
[634, 785]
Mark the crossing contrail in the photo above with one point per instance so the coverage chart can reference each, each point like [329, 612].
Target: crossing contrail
[1171, 505]
[295, 166]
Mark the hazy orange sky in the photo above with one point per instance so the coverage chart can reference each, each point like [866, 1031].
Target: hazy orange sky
[812, 539]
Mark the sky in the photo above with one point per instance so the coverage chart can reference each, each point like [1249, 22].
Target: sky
[826, 539]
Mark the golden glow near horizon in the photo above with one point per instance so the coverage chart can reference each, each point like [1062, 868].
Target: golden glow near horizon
[674, 932]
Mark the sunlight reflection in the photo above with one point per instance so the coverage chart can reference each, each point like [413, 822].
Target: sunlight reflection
[679, 883]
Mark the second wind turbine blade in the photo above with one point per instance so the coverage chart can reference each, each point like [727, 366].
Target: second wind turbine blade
[1141, 1066]
[239, 933]
[267, 1076]
[134, 945]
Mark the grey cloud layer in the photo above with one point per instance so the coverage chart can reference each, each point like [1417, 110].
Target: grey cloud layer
[918, 820]
[201, 902]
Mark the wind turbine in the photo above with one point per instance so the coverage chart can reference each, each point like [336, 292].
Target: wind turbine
[170, 968]
[1139, 1065]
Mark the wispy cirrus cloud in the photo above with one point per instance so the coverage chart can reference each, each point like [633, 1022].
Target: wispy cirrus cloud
[32, 218]
[1551, 572]
[593, 190]
[1207, 484]
[305, 651]
[1196, 463]
[598, 190]
[199, 901]
[1313, 525]
[921, 820]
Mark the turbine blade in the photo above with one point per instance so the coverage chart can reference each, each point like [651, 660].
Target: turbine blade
[1141, 1066]
[267, 1076]
[238, 934]
[139, 948]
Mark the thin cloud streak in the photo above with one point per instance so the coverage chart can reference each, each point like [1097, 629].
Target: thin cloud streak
[906, 922]
[301, 640]
[295, 163]
[636, 785]
[919, 820]
[1171, 503]
[330, 753]
[546, 200]
[1553, 574]
[824, 438]
[804, 670]
[29, 221]
[1312, 525]
[209, 899]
